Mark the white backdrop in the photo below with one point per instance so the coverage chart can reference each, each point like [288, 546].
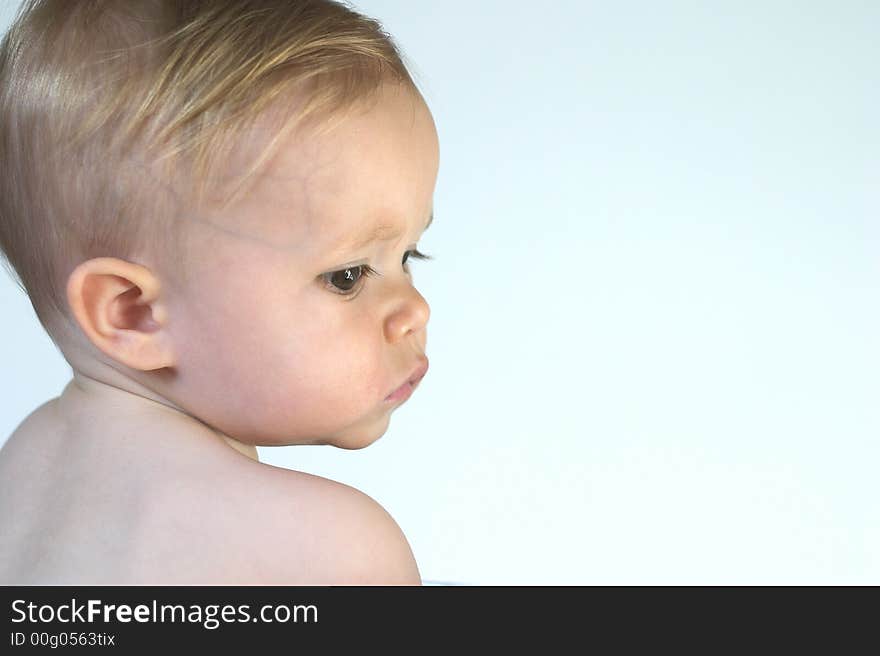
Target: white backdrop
[654, 333]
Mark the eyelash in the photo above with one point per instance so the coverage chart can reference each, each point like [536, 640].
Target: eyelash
[367, 272]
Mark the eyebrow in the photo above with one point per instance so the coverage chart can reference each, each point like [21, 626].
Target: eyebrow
[383, 232]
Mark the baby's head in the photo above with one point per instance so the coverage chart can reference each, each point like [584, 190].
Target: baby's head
[216, 205]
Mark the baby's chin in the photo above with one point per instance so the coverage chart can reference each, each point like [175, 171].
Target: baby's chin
[353, 436]
[352, 440]
[359, 436]
[354, 445]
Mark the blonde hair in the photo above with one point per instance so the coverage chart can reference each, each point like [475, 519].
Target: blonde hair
[104, 103]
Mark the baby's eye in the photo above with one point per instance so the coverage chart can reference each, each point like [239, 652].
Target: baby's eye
[416, 254]
[345, 281]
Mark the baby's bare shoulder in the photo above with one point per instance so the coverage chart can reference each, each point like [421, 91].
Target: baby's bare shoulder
[312, 530]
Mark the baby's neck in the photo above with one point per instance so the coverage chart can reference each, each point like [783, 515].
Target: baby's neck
[88, 399]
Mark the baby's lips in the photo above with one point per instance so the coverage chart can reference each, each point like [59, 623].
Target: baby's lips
[419, 373]
[413, 379]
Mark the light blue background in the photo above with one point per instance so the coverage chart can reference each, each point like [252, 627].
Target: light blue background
[654, 333]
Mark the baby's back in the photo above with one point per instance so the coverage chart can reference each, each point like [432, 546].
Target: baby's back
[126, 507]
[79, 510]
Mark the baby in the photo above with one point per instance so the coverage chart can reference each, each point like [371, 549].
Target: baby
[212, 207]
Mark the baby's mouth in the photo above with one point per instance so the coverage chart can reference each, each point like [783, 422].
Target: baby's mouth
[411, 383]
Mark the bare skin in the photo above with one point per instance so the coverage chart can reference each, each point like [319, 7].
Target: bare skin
[145, 470]
[152, 504]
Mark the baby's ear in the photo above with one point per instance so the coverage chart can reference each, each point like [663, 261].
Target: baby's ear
[117, 304]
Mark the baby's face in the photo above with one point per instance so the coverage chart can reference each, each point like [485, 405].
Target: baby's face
[280, 337]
